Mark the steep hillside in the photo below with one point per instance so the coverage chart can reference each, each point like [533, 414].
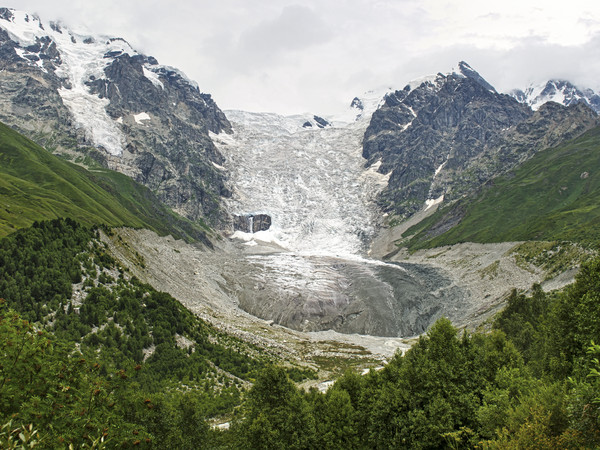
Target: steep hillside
[36, 185]
[443, 137]
[96, 100]
[553, 196]
[102, 355]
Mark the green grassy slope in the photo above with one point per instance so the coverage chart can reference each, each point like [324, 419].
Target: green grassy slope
[36, 185]
[553, 196]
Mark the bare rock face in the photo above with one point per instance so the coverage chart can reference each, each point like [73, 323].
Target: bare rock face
[127, 113]
[29, 98]
[168, 147]
[442, 124]
[451, 134]
[261, 222]
[252, 223]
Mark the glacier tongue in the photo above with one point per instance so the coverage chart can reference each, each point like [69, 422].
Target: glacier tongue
[308, 271]
[312, 182]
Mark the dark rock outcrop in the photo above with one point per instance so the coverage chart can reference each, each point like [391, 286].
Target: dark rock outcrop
[29, 98]
[549, 126]
[262, 222]
[321, 123]
[252, 223]
[172, 152]
[357, 103]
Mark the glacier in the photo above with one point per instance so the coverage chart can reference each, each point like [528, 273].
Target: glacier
[311, 269]
[312, 182]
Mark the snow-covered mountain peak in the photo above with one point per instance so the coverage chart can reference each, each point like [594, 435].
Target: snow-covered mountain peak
[362, 107]
[559, 91]
[78, 59]
[372, 100]
[434, 82]
[26, 30]
[467, 71]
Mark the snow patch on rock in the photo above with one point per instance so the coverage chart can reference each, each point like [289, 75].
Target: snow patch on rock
[141, 117]
[429, 203]
[153, 77]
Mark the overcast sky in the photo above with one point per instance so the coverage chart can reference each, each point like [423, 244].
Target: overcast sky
[291, 56]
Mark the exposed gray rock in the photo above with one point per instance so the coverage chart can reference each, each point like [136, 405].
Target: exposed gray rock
[171, 153]
[242, 223]
[163, 118]
[262, 222]
[6, 14]
[321, 123]
[29, 99]
[468, 72]
[549, 126]
[357, 103]
[449, 136]
[252, 223]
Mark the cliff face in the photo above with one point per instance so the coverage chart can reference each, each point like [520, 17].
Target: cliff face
[446, 136]
[29, 98]
[252, 223]
[166, 123]
[96, 100]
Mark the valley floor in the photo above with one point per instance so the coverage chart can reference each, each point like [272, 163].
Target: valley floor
[210, 283]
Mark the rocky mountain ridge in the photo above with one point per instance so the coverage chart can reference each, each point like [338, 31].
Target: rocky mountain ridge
[96, 100]
[442, 137]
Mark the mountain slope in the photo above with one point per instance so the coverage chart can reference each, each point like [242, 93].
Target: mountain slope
[36, 185]
[96, 98]
[434, 128]
[443, 137]
[99, 353]
[553, 196]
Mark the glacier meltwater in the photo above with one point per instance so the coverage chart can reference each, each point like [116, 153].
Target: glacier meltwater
[309, 270]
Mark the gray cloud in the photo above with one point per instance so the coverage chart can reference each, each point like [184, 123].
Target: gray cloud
[268, 43]
[315, 56]
[532, 61]
[296, 28]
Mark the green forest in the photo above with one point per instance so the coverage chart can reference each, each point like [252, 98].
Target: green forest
[90, 357]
